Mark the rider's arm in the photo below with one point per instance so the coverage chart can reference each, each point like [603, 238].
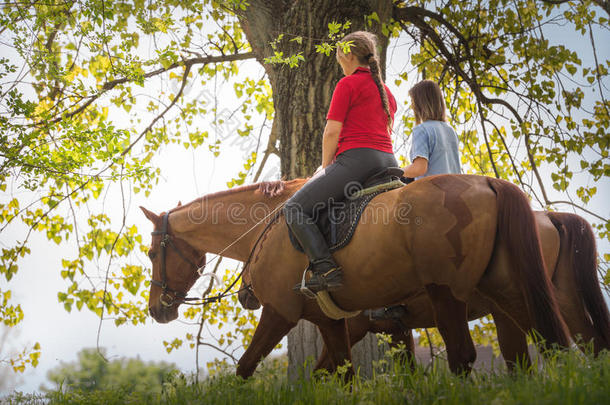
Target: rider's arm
[330, 141]
[337, 114]
[419, 167]
[419, 154]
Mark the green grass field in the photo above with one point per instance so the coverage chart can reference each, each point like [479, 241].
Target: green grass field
[564, 378]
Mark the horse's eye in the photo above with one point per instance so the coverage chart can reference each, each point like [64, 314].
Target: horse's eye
[152, 255]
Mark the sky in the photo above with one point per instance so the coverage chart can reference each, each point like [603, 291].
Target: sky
[186, 175]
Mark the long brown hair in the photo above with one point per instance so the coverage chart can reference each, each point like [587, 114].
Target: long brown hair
[364, 47]
[428, 102]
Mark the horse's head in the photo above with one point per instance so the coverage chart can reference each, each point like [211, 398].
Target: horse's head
[174, 269]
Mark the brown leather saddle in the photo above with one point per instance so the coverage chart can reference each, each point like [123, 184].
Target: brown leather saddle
[338, 221]
[386, 175]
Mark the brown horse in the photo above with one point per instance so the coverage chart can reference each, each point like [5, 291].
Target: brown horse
[436, 235]
[572, 268]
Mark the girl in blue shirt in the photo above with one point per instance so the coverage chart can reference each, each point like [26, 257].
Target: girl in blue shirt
[434, 148]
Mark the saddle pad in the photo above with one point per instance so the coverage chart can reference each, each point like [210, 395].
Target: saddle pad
[338, 223]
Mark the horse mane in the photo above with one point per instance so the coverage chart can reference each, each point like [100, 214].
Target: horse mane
[272, 188]
[267, 188]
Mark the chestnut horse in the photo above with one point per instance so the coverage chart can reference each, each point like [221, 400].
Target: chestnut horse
[436, 235]
[568, 245]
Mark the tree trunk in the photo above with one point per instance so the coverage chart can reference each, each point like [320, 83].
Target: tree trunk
[301, 98]
[305, 345]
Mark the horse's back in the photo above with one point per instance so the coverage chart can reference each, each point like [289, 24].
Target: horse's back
[438, 230]
[453, 239]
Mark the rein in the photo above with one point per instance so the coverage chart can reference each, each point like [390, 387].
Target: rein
[181, 297]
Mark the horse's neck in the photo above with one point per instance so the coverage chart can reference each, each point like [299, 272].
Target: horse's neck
[228, 224]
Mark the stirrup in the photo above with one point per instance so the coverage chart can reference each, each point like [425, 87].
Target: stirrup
[302, 288]
[305, 290]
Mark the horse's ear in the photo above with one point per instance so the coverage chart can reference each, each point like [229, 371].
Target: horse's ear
[179, 203]
[154, 218]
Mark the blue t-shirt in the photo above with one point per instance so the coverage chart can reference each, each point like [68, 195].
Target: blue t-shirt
[437, 142]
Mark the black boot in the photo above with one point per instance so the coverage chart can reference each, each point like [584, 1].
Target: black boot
[327, 275]
[394, 312]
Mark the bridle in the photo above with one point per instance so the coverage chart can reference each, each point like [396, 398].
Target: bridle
[166, 241]
[179, 296]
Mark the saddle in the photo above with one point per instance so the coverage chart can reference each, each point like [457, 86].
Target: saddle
[338, 222]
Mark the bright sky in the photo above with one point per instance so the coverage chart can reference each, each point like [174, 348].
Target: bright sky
[187, 174]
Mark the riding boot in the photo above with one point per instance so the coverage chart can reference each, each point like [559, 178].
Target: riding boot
[394, 312]
[326, 274]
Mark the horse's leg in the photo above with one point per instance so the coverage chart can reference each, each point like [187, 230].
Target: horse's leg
[270, 330]
[324, 361]
[451, 320]
[512, 340]
[405, 336]
[358, 327]
[337, 344]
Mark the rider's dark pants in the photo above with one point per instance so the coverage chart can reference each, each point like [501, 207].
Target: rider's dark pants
[338, 180]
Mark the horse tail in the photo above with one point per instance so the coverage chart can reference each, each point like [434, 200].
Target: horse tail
[577, 236]
[517, 228]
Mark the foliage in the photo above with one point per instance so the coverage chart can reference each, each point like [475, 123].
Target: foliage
[566, 378]
[92, 91]
[29, 356]
[92, 372]
[74, 129]
[509, 73]
[14, 359]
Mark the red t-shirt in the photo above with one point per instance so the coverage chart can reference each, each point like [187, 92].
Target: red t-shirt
[357, 104]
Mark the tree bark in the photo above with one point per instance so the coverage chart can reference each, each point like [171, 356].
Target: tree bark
[301, 98]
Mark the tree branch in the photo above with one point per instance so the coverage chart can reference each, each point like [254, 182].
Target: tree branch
[605, 4]
[219, 349]
[491, 157]
[158, 117]
[189, 63]
[201, 321]
[510, 156]
[580, 208]
[597, 65]
[414, 16]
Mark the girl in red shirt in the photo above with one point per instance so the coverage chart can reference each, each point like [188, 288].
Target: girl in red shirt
[356, 144]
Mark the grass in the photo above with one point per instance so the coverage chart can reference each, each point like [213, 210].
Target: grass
[564, 378]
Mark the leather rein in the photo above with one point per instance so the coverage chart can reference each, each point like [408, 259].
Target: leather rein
[181, 297]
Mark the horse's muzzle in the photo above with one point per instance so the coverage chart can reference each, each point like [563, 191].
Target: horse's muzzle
[163, 314]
